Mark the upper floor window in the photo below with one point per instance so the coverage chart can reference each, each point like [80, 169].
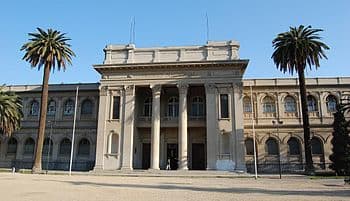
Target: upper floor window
[173, 107]
[311, 104]
[34, 108]
[116, 107]
[331, 103]
[51, 108]
[147, 107]
[197, 106]
[293, 146]
[86, 107]
[224, 107]
[268, 105]
[68, 107]
[289, 104]
[247, 105]
[272, 147]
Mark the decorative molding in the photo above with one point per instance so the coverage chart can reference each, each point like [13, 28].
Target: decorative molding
[183, 88]
[129, 90]
[210, 88]
[156, 89]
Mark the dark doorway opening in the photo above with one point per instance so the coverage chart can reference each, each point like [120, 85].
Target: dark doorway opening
[146, 155]
[198, 156]
[172, 155]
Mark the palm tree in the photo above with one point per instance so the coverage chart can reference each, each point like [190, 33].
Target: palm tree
[294, 50]
[10, 112]
[46, 49]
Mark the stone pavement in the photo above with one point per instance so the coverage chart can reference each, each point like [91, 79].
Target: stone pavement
[27, 187]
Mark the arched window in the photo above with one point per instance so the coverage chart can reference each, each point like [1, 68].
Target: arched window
[272, 147]
[289, 104]
[249, 146]
[86, 107]
[51, 108]
[197, 106]
[68, 107]
[12, 146]
[173, 107]
[247, 105]
[268, 105]
[84, 147]
[65, 147]
[147, 107]
[316, 146]
[113, 143]
[293, 146]
[29, 146]
[311, 104]
[34, 108]
[331, 103]
[48, 146]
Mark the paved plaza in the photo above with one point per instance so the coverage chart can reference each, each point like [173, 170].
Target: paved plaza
[27, 187]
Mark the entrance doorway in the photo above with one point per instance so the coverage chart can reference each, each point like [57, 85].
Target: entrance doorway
[146, 155]
[198, 156]
[172, 155]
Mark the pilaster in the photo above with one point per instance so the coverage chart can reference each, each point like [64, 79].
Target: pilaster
[239, 127]
[101, 126]
[212, 125]
[128, 125]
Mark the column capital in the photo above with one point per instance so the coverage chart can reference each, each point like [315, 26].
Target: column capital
[183, 87]
[210, 88]
[129, 89]
[156, 89]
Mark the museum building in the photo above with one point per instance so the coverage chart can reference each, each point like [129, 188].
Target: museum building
[185, 107]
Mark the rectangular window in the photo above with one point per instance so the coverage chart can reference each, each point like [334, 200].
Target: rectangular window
[116, 107]
[224, 110]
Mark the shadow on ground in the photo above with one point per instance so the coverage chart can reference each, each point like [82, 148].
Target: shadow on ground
[330, 193]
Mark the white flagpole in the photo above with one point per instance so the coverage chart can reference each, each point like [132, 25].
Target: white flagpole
[253, 128]
[74, 121]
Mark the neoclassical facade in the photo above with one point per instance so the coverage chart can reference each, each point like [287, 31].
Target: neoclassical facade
[177, 108]
[182, 123]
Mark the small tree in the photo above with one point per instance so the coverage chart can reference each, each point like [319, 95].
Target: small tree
[341, 144]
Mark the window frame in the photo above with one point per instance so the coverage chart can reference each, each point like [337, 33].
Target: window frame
[116, 108]
[224, 113]
[268, 107]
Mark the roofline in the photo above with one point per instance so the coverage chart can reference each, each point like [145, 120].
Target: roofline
[100, 67]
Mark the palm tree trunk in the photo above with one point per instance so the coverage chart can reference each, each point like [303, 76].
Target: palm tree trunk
[42, 123]
[309, 169]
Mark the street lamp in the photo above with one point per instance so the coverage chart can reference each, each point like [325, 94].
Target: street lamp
[48, 152]
[277, 123]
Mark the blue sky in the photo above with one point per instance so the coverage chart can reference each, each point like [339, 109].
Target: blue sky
[93, 24]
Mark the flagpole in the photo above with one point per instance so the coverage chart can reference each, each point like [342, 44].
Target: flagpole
[74, 121]
[253, 129]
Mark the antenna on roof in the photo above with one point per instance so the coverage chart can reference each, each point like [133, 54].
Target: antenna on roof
[207, 20]
[132, 31]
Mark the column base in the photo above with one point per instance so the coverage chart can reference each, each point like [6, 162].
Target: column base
[126, 168]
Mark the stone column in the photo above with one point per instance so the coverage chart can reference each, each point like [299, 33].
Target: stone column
[155, 129]
[100, 140]
[128, 127]
[212, 128]
[182, 142]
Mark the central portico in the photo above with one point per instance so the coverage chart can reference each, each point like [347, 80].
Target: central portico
[175, 106]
